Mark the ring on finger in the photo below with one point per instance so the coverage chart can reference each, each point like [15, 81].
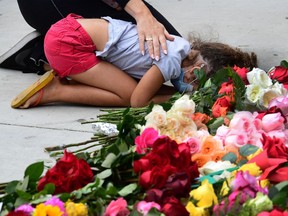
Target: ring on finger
[148, 39]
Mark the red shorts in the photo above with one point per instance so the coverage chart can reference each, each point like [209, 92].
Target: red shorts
[68, 47]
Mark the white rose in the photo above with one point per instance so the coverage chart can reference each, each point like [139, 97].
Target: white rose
[156, 118]
[279, 88]
[268, 95]
[253, 93]
[212, 166]
[184, 105]
[259, 77]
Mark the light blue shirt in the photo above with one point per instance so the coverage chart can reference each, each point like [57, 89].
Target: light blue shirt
[122, 50]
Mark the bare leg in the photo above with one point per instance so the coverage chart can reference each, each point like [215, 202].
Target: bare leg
[102, 85]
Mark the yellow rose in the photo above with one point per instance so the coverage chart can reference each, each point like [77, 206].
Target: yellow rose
[252, 168]
[47, 210]
[204, 194]
[76, 209]
[196, 211]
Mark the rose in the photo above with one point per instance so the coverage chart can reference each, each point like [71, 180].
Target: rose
[156, 118]
[173, 207]
[117, 208]
[280, 102]
[68, 174]
[267, 95]
[242, 72]
[273, 121]
[253, 93]
[18, 213]
[213, 166]
[275, 147]
[144, 207]
[260, 77]
[279, 73]
[210, 145]
[227, 88]
[236, 138]
[184, 105]
[145, 140]
[274, 212]
[221, 106]
[193, 143]
[204, 195]
[55, 201]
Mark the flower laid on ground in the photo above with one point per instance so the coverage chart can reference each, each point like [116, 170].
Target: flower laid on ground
[220, 151]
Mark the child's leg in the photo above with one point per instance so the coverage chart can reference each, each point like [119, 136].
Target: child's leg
[102, 85]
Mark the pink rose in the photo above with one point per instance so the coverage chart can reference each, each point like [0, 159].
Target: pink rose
[144, 207]
[273, 121]
[117, 208]
[242, 120]
[194, 144]
[146, 140]
[280, 102]
[236, 138]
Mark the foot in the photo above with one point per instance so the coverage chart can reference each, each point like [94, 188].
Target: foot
[45, 95]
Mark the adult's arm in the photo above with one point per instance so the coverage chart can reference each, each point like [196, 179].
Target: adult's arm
[148, 27]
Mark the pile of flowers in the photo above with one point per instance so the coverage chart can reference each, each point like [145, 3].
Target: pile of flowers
[222, 150]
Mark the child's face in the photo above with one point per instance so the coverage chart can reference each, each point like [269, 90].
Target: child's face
[189, 76]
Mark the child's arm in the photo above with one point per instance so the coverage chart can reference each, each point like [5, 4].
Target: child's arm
[147, 88]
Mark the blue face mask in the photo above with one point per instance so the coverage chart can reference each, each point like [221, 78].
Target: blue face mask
[180, 85]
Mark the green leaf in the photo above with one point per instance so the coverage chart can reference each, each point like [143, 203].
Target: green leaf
[34, 171]
[110, 158]
[49, 188]
[23, 185]
[230, 157]
[104, 174]
[24, 195]
[11, 187]
[284, 64]
[247, 150]
[128, 189]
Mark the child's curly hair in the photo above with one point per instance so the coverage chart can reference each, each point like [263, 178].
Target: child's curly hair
[218, 55]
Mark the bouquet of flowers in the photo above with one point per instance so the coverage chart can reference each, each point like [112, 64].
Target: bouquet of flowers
[222, 150]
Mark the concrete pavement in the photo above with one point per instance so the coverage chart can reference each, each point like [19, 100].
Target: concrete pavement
[259, 25]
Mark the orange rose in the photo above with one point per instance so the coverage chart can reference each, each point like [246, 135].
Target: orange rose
[209, 145]
[200, 159]
[217, 155]
[221, 106]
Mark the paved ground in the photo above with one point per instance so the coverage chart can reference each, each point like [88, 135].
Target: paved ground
[259, 25]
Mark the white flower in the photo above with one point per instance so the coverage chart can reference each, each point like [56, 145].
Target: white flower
[212, 166]
[183, 104]
[279, 88]
[253, 93]
[259, 77]
[156, 118]
[268, 95]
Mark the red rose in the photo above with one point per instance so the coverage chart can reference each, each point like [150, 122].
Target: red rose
[275, 147]
[173, 207]
[242, 72]
[221, 106]
[280, 74]
[68, 174]
[18, 213]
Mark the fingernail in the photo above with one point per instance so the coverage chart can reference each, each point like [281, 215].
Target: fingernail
[165, 52]
[157, 58]
[142, 53]
[152, 56]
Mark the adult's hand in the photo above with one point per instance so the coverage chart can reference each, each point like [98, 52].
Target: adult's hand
[150, 31]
